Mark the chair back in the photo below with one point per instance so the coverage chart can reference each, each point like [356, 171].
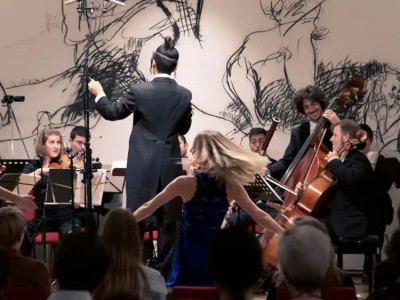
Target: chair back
[337, 293]
[194, 293]
[24, 293]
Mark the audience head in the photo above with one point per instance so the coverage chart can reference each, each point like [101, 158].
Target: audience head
[225, 160]
[49, 144]
[12, 227]
[125, 275]
[310, 101]
[304, 255]
[128, 239]
[257, 138]
[234, 260]
[77, 139]
[343, 131]
[393, 251]
[165, 58]
[81, 261]
[183, 145]
[4, 267]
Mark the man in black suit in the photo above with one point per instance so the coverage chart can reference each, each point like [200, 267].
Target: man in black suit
[350, 209]
[162, 110]
[310, 102]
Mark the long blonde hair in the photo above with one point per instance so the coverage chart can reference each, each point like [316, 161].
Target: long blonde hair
[224, 160]
[125, 275]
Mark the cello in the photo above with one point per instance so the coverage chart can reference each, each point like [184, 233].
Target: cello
[308, 167]
[309, 161]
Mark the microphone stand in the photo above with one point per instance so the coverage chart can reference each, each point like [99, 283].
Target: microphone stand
[10, 115]
[71, 167]
[88, 12]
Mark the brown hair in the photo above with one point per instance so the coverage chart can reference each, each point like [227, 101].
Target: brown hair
[40, 146]
[348, 126]
[311, 92]
[125, 275]
[12, 225]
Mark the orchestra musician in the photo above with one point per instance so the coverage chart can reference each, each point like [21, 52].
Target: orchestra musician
[350, 205]
[383, 209]
[236, 215]
[49, 217]
[77, 144]
[162, 110]
[310, 102]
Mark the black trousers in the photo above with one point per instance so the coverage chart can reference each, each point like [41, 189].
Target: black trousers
[168, 221]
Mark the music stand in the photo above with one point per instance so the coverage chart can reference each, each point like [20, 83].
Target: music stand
[115, 180]
[11, 170]
[262, 185]
[26, 182]
[98, 183]
[59, 187]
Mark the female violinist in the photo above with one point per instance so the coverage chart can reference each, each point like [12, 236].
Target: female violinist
[49, 217]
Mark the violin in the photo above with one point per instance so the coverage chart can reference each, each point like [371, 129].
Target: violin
[64, 163]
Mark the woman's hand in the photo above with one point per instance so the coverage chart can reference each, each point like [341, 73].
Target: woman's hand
[26, 203]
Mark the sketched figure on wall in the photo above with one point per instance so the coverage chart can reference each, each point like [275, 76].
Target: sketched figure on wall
[291, 44]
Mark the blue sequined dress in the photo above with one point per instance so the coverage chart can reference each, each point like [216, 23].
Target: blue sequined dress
[202, 218]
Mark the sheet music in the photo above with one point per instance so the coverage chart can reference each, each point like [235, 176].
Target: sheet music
[98, 183]
[26, 183]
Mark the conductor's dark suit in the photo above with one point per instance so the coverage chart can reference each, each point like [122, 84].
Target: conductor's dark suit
[162, 110]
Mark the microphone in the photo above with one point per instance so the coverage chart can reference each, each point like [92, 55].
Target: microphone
[71, 153]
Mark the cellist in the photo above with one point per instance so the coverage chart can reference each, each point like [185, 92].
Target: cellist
[310, 102]
[350, 201]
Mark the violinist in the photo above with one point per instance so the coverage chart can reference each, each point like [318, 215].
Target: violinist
[49, 217]
[350, 203]
[310, 102]
[77, 144]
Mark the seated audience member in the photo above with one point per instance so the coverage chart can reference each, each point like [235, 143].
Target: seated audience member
[4, 270]
[234, 262]
[24, 271]
[335, 277]
[387, 273]
[80, 265]
[127, 275]
[304, 258]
